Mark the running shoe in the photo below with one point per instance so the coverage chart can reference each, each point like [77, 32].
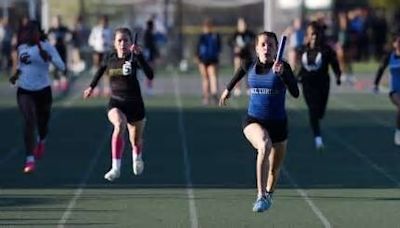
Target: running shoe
[138, 165]
[29, 167]
[112, 174]
[262, 203]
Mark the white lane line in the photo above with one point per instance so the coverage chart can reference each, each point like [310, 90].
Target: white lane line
[78, 192]
[357, 152]
[189, 184]
[330, 133]
[55, 115]
[302, 192]
[363, 157]
[310, 203]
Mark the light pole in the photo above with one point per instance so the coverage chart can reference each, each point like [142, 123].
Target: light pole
[32, 9]
[6, 5]
[268, 17]
[45, 15]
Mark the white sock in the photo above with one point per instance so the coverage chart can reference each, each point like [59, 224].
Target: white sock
[397, 131]
[116, 164]
[135, 155]
[261, 195]
[318, 141]
[30, 158]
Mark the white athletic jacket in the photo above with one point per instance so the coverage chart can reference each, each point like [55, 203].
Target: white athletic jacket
[100, 39]
[34, 71]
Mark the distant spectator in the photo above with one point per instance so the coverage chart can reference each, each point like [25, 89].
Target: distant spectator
[80, 35]
[59, 35]
[343, 49]
[101, 40]
[379, 34]
[6, 35]
[151, 52]
[296, 40]
[207, 53]
[242, 43]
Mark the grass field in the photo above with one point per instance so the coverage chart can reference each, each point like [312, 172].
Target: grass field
[200, 170]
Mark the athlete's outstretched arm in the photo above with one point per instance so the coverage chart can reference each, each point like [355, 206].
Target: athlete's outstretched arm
[88, 91]
[54, 56]
[290, 81]
[381, 69]
[99, 73]
[335, 65]
[145, 66]
[239, 74]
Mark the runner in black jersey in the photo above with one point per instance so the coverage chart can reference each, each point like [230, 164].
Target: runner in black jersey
[126, 107]
[315, 57]
[265, 125]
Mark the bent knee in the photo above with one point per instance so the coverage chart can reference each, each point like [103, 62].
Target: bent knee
[119, 126]
[264, 146]
[273, 171]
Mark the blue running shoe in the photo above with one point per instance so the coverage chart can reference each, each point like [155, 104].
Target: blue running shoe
[262, 204]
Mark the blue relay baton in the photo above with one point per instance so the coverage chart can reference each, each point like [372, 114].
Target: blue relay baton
[281, 48]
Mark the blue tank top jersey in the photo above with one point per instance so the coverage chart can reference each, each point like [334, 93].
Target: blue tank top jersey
[394, 66]
[267, 95]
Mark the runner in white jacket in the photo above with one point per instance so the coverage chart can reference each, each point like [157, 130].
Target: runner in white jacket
[34, 91]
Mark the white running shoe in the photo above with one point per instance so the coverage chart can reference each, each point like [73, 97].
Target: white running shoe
[397, 138]
[138, 165]
[112, 174]
[319, 145]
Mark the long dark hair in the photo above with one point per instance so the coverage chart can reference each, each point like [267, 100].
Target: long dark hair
[25, 33]
[319, 32]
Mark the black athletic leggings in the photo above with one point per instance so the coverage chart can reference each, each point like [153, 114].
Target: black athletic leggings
[35, 108]
[316, 96]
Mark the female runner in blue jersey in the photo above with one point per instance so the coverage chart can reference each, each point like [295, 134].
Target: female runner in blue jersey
[393, 61]
[265, 125]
